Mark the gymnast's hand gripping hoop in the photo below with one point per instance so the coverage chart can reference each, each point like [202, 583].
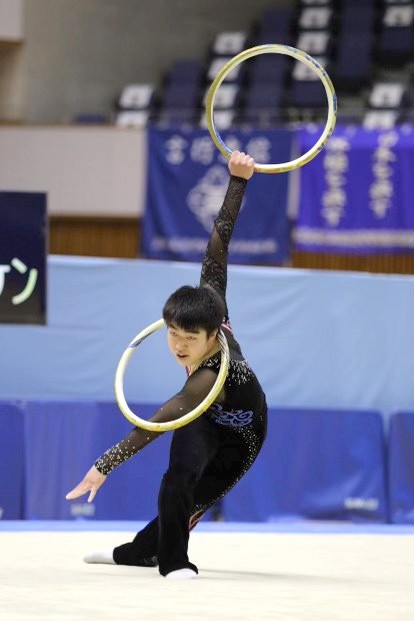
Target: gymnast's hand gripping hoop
[298, 55]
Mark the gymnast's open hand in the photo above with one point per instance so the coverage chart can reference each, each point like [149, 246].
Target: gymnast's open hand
[90, 483]
[241, 165]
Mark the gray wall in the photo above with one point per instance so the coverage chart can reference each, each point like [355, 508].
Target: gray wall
[78, 54]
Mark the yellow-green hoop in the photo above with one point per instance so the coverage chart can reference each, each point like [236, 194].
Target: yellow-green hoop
[190, 416]
[298, 55]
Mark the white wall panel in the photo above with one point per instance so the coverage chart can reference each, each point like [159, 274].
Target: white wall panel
[84, 170]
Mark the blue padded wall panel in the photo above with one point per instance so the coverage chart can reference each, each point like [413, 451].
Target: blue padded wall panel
[401, 467]
[12, 461]
[315, 464]
[63, 439]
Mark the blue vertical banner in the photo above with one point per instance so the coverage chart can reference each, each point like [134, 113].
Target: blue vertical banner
[187, 181]
[356, 197]
[23, 251]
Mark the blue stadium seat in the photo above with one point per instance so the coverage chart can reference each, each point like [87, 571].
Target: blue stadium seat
[315, 18]
[355, 45]
[358, 17]
[306, 90]
[263, 104]
[218, 62]
[387, 95]
[180, 103]
[396, 37]
[315, 464]
[135, 105]
[380, 119]
[268, 68]
[354, 64]
[138, 96]
[12, 461]
[314, 43]
[185, 72]
[268, 37]
[396, 44]
[307, 94]
[264, 93]
[229, 43]
[276, 21]
[275, 26]
[181, 96]
[401, 467]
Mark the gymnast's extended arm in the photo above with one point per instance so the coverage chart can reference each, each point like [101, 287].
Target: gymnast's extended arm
[214, 268]
[196, 388]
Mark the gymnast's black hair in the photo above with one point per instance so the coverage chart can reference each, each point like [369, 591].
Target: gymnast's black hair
[194, 308]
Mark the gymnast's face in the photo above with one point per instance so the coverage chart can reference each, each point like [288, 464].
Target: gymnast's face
[190, 348]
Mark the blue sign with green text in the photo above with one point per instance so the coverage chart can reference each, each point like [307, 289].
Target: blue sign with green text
[23, 250]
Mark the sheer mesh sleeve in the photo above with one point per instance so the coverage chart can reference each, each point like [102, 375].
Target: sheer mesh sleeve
[199, 384]
[214, 269]
[196, 388]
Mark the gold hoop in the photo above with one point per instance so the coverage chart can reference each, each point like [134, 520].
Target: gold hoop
[298, 55]
[190, 416]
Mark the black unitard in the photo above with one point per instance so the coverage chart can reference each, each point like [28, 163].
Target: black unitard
[209, 455]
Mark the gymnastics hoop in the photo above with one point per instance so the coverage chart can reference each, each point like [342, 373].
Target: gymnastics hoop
[307, 60]
[190, 416]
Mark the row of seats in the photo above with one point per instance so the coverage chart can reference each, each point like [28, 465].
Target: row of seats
[315, 464]
[346, 39]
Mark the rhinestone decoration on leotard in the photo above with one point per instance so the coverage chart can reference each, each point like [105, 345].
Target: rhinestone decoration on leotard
[239, 370]
[115, 456]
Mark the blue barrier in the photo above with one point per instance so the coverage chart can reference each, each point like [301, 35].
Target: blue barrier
[12, 461]
[63, 439]
[401, 467]
[315, 464]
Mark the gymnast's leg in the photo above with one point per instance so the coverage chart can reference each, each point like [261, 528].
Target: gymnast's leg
[192, 448]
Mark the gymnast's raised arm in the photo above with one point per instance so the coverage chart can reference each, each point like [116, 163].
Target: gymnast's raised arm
[214, 268]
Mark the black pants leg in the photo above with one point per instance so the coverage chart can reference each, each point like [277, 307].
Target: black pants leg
[206, 461]
[192, 448]
[142, 551]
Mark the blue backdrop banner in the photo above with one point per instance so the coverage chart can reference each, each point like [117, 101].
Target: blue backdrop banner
[187, 180]
[357, 195]
[23, 241]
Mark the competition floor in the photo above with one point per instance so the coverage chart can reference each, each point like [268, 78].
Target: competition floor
[308, 572]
